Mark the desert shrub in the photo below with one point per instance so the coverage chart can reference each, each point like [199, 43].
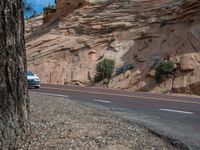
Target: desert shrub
[156, 61]
[124, 68]
[106, 81]
[164, 68]
[104, 69]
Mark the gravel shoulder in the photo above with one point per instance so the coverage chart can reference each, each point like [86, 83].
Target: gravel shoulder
[61, 124]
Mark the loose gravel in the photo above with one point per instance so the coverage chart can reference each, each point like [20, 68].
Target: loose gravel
[61, 124]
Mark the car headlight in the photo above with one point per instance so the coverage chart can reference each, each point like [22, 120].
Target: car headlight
[37, 79]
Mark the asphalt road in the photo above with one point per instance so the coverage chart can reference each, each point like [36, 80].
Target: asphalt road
[176, 117]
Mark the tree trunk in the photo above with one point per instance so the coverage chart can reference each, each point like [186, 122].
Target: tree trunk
[14, 101]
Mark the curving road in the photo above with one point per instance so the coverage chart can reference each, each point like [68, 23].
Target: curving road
[177, 117]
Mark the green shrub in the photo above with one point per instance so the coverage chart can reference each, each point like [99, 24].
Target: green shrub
[164, 68]
[124, 68]
[106, 82]
[104, 69]
[156, 61]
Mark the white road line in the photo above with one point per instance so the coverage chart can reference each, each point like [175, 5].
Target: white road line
[177, 111]
[58, 95]
[49, 94]
[102, 101]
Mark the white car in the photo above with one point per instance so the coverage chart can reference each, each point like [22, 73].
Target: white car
[33, 80]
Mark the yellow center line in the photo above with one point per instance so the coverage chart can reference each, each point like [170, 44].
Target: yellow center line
[122, 95]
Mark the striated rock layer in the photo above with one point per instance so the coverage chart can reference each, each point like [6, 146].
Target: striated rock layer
[138, 32]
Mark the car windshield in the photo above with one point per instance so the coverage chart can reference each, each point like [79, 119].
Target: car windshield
[29, 73]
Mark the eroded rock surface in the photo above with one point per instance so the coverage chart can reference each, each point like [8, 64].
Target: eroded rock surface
[138, 32]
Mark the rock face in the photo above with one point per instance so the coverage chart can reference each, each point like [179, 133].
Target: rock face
[134, 32]
[68, 5]
[32, 24]
[48, 14]
[187, 63]
[64, 7]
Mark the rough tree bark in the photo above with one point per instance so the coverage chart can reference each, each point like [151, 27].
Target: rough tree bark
[14, 101]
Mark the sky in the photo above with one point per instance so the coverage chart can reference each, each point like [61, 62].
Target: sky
[38, 5]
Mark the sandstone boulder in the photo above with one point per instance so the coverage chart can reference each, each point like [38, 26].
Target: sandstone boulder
[152, 73]
[187, 63]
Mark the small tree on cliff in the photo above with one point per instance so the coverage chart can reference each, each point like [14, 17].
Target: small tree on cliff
[104, 69]
[14, 101]
[164, 68]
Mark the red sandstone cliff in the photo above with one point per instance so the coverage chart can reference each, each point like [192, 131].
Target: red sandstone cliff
[66, 50]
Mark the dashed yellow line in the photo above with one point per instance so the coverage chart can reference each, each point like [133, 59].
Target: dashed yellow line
[122, 95]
